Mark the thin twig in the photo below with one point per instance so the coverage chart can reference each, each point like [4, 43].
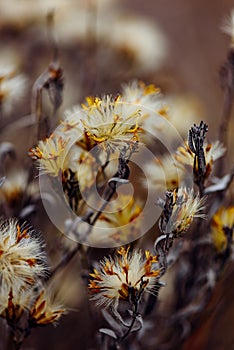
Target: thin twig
[227, 82]
[134, 317]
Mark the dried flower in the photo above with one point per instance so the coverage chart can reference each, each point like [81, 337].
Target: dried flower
[140, 37]
[179, 209]
[183, 112]
[149, 99]
[228, 26]
[119, 223]
[12, 88]
[125, 277]
[70, 123]
[110, 122]
[22, 259]
[50, 155]
[16, 188]
[46, 309]
[138, 93]
[212, 152]
[163, 173]
[222, 226]
[12, 305]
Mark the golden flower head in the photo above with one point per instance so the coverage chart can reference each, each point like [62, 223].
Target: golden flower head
[212, 152]
[179, 209]
[22, 259]
[222, 226]
[110, 122]
[46, 308]
[124, 277]
[50, 154]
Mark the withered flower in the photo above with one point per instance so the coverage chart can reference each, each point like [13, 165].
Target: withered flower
[222, 226]
[110, 122]
[179, 209]
[13, 305]
[50, 154]
[12, 88]
[22, 259]
[124, 277]
[46, 309]
[212, 152]
[120, 222]
[163, 173]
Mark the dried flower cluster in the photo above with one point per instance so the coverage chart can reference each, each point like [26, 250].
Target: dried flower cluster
[22, 269]
[109, 170]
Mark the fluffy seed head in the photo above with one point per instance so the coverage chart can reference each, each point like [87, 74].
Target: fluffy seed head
[46, 309]
[21, 256]
[185, 206]
[138, 93]
[110, 122]
[50, 154]
[124, 277]
[13, 305]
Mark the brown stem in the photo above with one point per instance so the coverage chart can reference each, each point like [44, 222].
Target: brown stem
[65, 260]
[73, 252]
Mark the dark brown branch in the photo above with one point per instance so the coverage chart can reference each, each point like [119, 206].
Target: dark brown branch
[227, 83]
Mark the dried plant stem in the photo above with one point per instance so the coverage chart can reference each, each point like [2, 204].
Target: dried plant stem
[9, 343]
[13, 343]
[119, 178]
[134, 317]
[75, 250]
[107, 199]
[65, 260]
[226, 115]
[227, 81]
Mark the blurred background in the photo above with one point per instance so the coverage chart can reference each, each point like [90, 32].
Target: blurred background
[177, 45]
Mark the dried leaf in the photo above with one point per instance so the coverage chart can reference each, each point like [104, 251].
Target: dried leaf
[108, 332]
[115, 323]
[219, 184]
[2, 180]
[27, 211]
[6, 149]
[138, 322]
